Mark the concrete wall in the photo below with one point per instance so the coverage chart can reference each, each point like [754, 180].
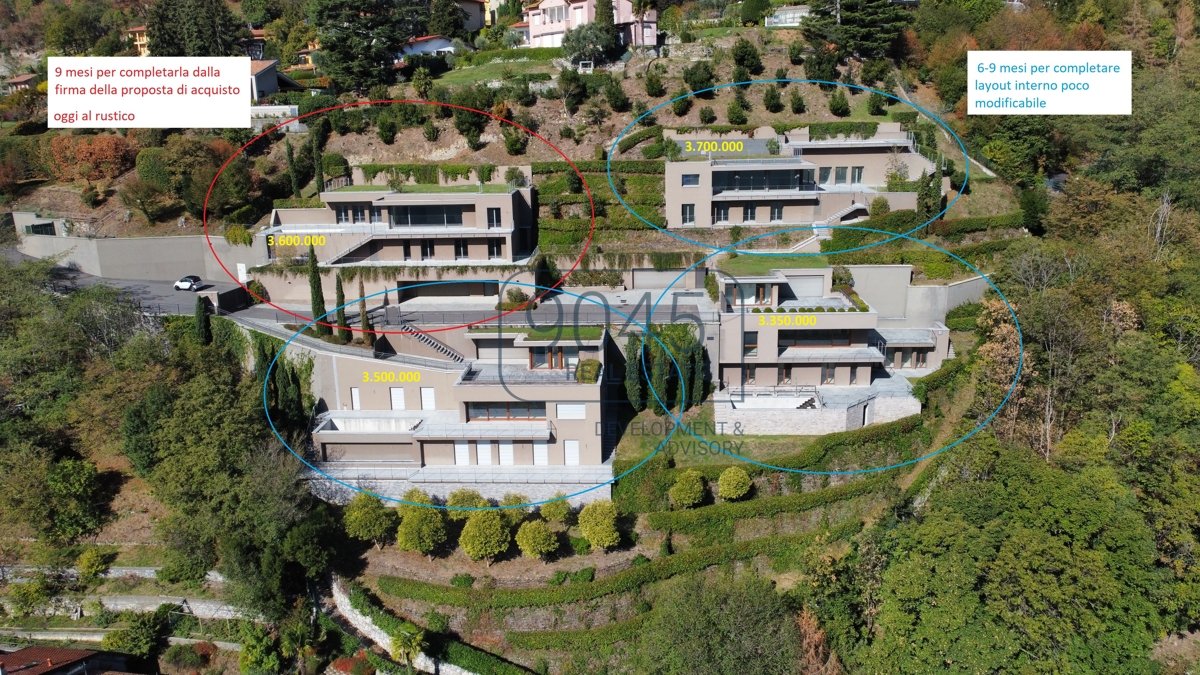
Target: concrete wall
[146, 258]
[886, 288]
[789, 421]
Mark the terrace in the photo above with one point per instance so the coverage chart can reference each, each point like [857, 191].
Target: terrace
[497, 373]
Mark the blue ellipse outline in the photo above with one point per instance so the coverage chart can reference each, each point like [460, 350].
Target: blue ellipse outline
[850, 472]
[614, 148]
[445, 507]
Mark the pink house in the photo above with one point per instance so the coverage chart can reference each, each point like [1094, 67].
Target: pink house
[549, 20]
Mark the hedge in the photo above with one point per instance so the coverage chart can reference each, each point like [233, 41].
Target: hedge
[631, 140]
[895, 221]
[630, 579]
[517, 54]
[645, 490]
[577, 640]
[942, 377]
[599, 166]
[714, 523]
[964, 317]
[823, 130]
[299, 203]
[440, 647]
[904, 116]
[961, 226]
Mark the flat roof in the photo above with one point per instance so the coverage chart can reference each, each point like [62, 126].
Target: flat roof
[831, 355]
[907, 337]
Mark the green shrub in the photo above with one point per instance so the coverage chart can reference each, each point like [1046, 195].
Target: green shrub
[580, 546]
[733, 484]
[183, 656]
[588, 371]
[688, 489]
[707, 116]
[462, 581]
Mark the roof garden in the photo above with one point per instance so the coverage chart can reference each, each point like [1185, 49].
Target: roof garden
[563, 332]
[749, 265]
[426, 188]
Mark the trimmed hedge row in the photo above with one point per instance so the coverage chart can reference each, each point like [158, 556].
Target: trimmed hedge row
[895, 221]
[577, 640]
[440, 647]
[693, 520]
[515, 54]
[818, 131]
[961, 226]
[645, 490]
[632, 140]
[299, 203]
[950, 371]
[598, 166]
[624, 581]
[904, 116]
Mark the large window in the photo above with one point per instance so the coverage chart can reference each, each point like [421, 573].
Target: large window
[814, 338]
[494, 247]
[856, 174]
[749, 344]
[828, 372]
[721, 213]
[461, 250]
[691, 179]
[749, 212]
[343, 213]
[824, 173]
[839, 175]
[556, 14]
[493, 217]
[689, 214]
[426, 250]
[426, 216]
[506, 410]
[776, 212]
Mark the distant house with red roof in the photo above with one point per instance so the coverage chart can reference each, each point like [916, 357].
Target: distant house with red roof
[521, 30]
[21, 82]
[140, 39]
[428, 44]
[59, 661]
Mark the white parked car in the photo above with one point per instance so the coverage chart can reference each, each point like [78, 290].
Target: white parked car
[189, 283]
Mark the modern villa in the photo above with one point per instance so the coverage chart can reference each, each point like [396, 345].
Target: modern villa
[812, 356]
[427, 225]
[501, 409]
[810, 181]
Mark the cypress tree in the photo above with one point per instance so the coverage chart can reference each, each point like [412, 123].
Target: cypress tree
[316, 293]
[291, 169]
[203, 321]
[364, 320]
[607, 26]
[660, 374]
[319, 171]
[699, 372]
[633, 374]
[339, 299]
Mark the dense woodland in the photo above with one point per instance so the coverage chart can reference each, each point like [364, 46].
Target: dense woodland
[1063, 538]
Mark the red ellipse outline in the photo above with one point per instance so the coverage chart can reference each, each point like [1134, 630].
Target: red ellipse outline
[308, 319]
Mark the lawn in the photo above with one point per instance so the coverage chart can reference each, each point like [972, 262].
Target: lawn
[502, 70]
[422, 188]
[761, 264]
[646, 431]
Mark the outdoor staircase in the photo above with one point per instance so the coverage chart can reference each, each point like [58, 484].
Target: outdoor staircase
[950, 354]
[333, 259]
[835, 218]
[429, 341]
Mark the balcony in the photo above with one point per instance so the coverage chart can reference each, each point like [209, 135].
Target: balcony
[493, 373]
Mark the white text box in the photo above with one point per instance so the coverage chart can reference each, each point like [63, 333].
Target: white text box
[1049, 83]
